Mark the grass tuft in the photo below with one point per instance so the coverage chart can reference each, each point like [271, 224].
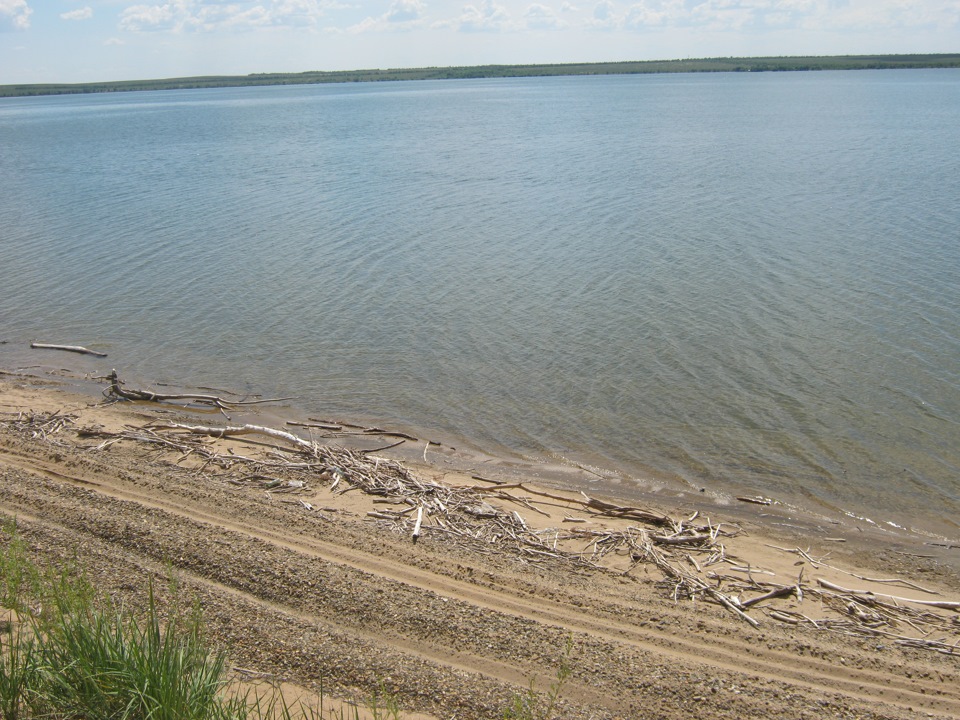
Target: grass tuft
[103, 663]
[17, 663]
[68, 654]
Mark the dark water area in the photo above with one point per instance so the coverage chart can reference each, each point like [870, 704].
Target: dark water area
[748, 283]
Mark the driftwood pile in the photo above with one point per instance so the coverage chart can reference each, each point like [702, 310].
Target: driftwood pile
[419, 506]
[690, 554]
[40, 426]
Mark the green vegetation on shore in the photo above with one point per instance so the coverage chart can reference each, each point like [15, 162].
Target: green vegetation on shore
[69, 653]
[750, 64]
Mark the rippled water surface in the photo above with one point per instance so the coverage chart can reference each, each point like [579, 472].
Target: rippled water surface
[750, 282]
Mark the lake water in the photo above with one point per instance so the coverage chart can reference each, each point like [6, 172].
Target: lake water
[748, 283]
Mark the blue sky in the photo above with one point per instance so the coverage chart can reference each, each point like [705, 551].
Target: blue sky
[91, 40]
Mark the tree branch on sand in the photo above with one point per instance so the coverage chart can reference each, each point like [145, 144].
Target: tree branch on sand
[117, 390]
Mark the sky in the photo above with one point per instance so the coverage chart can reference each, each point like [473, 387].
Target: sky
[98, 40]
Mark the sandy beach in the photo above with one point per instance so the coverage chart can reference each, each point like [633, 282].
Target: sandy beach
[456, 592]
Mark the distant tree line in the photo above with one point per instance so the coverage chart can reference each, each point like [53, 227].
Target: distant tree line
[758, 64]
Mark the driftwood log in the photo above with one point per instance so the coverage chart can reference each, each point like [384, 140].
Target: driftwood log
[944, 604]
[67, 348]
[220, 432]
[117, 389]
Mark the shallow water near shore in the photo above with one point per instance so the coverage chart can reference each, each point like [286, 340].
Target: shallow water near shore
[742, 283]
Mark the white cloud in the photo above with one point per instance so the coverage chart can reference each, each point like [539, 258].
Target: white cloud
[863, 15]
[656, 13]
[604, 16]
[485, 17]
[541, 17]
[800, 5]
[820, 15]
[299, 13]
[725, 16]
[365, 25]
[171, 16]
[213, 15]
[113, 41]
[231, 17]
[84, 13]
[402, 14]
[402, 11]
[721, 15]
[14, 14]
